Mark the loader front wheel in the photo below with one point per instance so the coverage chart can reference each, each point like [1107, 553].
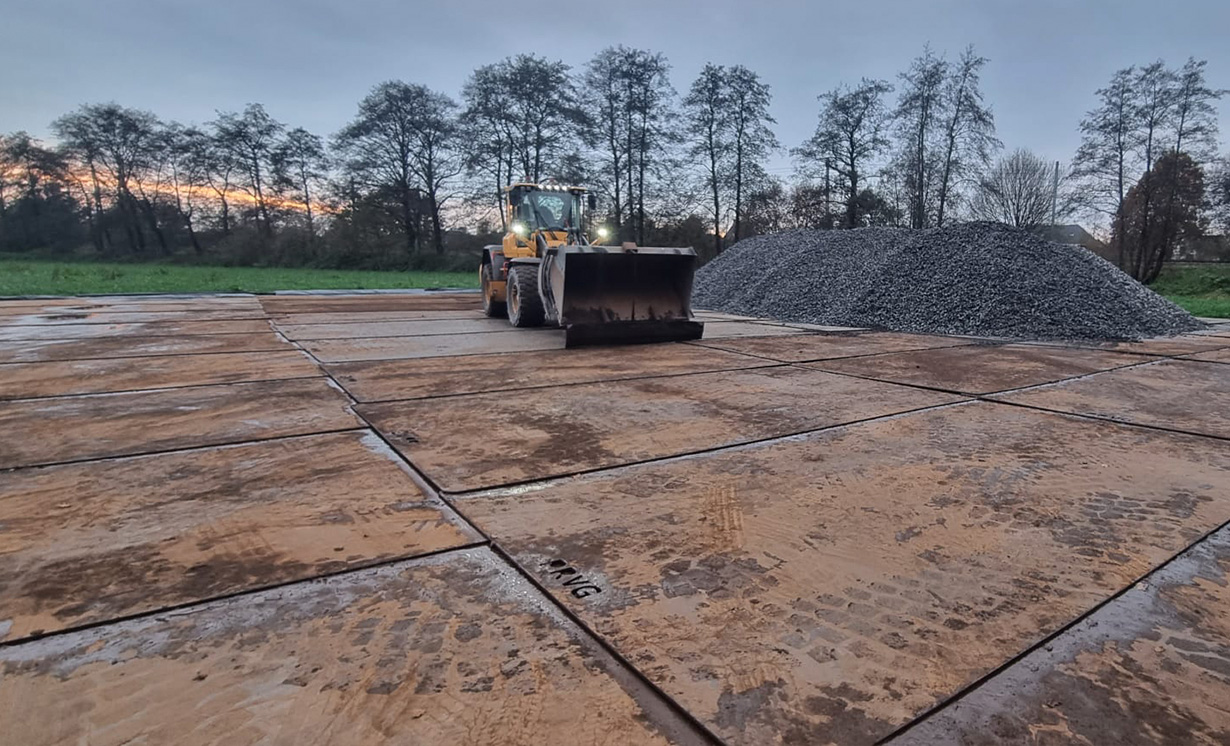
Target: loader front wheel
[524, 303]
[492, 308]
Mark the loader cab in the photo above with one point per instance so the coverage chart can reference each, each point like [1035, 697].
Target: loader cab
[557, 211]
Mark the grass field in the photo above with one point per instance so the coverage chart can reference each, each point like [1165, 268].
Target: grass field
[22, 277]
[1203, 291]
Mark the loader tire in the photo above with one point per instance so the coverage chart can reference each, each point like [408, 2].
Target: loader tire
[524, 303]
[494, 309]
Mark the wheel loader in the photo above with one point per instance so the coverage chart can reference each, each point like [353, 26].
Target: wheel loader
[547, 271]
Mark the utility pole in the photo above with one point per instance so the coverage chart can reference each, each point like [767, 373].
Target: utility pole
[1055, 196]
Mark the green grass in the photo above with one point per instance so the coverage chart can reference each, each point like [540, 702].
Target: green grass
[1206, 307]
[22, 277]
[1203, 291]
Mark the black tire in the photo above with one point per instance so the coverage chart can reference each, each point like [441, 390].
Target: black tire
[524, 303]
[493, 308]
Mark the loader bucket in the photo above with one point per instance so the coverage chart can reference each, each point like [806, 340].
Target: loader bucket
[614, 295]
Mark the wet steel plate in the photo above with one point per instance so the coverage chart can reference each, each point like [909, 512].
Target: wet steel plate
[126, 304]
[1216, 356]
[107, 316]
[362, 317]
[91, 542]
[1177, 394]
[393, 348]
[75, 428]
[282, 304]
[1150, 667]
[802, 348]
[132, 329]
[980, 369]
[63, 377]
[446, 376]
[728, 329]
[425, 327]
[30, 351]
[450, 649]
[830, 588]
[1166, 346]
[484, 440]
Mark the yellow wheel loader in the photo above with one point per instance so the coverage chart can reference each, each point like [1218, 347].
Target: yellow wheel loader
[547, 271]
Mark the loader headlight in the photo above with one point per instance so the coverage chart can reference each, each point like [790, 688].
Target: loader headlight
[521, 229]
[604, 232]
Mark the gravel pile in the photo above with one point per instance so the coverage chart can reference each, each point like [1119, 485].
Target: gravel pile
[982, 279]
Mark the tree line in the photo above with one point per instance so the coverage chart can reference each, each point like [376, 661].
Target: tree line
[415, 178]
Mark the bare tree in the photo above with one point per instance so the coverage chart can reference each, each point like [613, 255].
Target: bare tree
[604, 91]
[1155, 90]
[1017, 191]
[705, 111]
[189, 175]
[532, 104]
[487, 134]
[378, 146]
[30, 178]
[969, 129]
[248, 141]
[1145, 113]
[1219, 194]
[751, 138]
[848, 140]
[1107, 154]
[648, 115]
[435, 158]
[152, 181]
[809, 207]
[1195, 134]
[768, 210]
[216, 169]
[920, 109]
[113, 140]
[299, 164]
[404, 140]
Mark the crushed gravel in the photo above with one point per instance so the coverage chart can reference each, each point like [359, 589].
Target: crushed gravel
[980, 279]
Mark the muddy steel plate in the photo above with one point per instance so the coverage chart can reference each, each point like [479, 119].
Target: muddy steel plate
[452, 649]
[980, 369]
[372, 302]
[1163, 346]
[426, 327]
[59, 378]
[801, 348]
[443, 376]
[106, 316]
[392, 348]
[121, 304]
[485, 440]
[1150, 667]
[728, 329]
[1216, 356]
[29, 351]
[90, 542]
[133, 329]
[829, 588]
[100, 425]
[362, 317]
[1182, 395]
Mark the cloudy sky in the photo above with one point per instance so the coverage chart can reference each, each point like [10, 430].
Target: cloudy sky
[310, 61]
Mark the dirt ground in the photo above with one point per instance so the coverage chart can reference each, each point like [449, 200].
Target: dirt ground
[382, 518]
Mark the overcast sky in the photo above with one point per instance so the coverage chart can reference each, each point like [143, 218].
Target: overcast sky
[310, 61]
